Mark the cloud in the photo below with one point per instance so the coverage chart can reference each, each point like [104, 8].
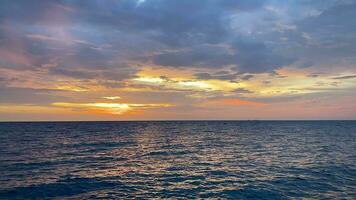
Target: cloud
[18, 95]
[203, 56]
[233, 102]
[345, 77]
[242, 91]
[208, 76]
[207, 34]
[223, 75]
[73, 73]
[329, 38]
[239, 102]
[255, 57]
[196, 50]
[34, 11]
[247, 77]
[246, 56]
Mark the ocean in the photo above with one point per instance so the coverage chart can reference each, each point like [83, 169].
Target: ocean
[178, 160]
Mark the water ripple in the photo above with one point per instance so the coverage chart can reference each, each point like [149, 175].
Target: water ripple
[203, 159]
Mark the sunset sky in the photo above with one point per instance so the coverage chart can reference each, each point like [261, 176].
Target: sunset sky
[177, 59]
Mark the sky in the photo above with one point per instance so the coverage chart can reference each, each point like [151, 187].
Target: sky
[177, 59]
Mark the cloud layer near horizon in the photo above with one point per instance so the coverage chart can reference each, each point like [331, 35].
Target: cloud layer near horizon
[197, 56]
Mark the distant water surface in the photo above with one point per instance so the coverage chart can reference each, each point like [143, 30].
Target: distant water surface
[178, 159]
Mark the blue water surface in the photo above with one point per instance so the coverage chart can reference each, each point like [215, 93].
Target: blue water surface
[178, 159]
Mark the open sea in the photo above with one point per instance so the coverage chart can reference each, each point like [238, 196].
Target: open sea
[178, 160]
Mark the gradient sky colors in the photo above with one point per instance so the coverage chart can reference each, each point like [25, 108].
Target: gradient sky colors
[177, 59]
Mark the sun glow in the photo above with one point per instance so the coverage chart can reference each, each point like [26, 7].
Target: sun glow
[112, 98]
[149, 80]
[195, 84]
[111, 108]
[181, 83]
[71, 88]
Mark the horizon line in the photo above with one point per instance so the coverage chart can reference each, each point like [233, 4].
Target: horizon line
[175, 120]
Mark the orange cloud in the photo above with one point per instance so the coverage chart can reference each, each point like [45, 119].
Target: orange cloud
[231, 102]
[239, 102]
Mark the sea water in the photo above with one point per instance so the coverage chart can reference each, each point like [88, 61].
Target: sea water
[178, 159]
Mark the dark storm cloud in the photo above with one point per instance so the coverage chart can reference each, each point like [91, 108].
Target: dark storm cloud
[204, 56]
[24, 11]
[329, 38]
[253, 36]
[335, 20]
[173, 23]
[83, 56]
[255, 57]
[248, 56]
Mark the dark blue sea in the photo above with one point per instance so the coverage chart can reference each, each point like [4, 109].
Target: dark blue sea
[178, 160]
